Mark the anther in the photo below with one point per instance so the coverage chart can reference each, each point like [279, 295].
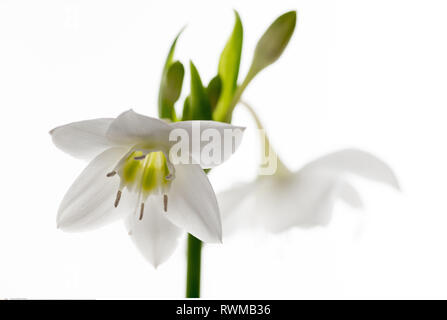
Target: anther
[140, 157]
[141, 211]
[118, 197]
[165, 202]
[111, 174]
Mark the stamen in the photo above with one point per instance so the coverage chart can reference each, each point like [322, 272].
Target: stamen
[111, 174]
[165, 202]
[118, 197]
[141, 211]
[140, 157]
[171, 169]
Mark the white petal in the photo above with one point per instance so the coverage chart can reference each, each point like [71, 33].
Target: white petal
[154, 235]
[349, 194]
[231, 198]
[209, 143]
[279, 203]
[83, 139]
[130, 128]
[89, 203]
[357, 162]
[236, 213]
[304, 198]
[192, 204]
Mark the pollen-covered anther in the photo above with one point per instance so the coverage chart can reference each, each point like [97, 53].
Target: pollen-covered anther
[118, 197]
[141, 211]
[111, 174]
[165, 202]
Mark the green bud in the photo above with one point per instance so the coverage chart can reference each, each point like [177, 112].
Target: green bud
[273, 42]
[187, 115]
[214, 90]
[173, 82]
[170, 85]
[229, 67]
[199, 102]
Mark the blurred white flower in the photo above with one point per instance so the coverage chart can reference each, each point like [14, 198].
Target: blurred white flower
[130, 176]
[304, 198]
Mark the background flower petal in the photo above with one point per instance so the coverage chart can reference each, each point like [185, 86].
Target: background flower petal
[356, 162]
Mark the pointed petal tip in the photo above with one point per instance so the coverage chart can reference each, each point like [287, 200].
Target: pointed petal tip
[396, 185]
[214, 237]
[361, 163]
[156, 262]
[130, 110]
[217, 239]
[182, 29]
[63, 226]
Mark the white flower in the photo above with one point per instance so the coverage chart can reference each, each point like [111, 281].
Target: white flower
[304, 198]
[130, 176]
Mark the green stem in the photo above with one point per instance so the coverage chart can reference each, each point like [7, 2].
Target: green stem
[194, 255]
[224, 115]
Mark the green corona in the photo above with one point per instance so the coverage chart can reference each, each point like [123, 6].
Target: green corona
[144, 174]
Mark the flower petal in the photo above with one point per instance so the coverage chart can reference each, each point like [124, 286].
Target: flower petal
[83, 139]
[349, 195]
[233, 203]
[304, 198]
[192, 204]
[130, 128]
[276, 204]
[209, 143]
[357, 162]
[154, 235]
[89, 203]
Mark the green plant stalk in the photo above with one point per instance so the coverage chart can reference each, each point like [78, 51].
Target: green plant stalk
[194, 245]
[194, 256]
[225, 115]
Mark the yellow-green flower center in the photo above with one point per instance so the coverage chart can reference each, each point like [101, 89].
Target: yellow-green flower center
[149, 175]
[145, 175]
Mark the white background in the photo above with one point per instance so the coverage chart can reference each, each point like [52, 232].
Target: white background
[367, 74]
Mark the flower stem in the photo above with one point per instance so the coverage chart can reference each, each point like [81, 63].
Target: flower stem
[194, 255]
